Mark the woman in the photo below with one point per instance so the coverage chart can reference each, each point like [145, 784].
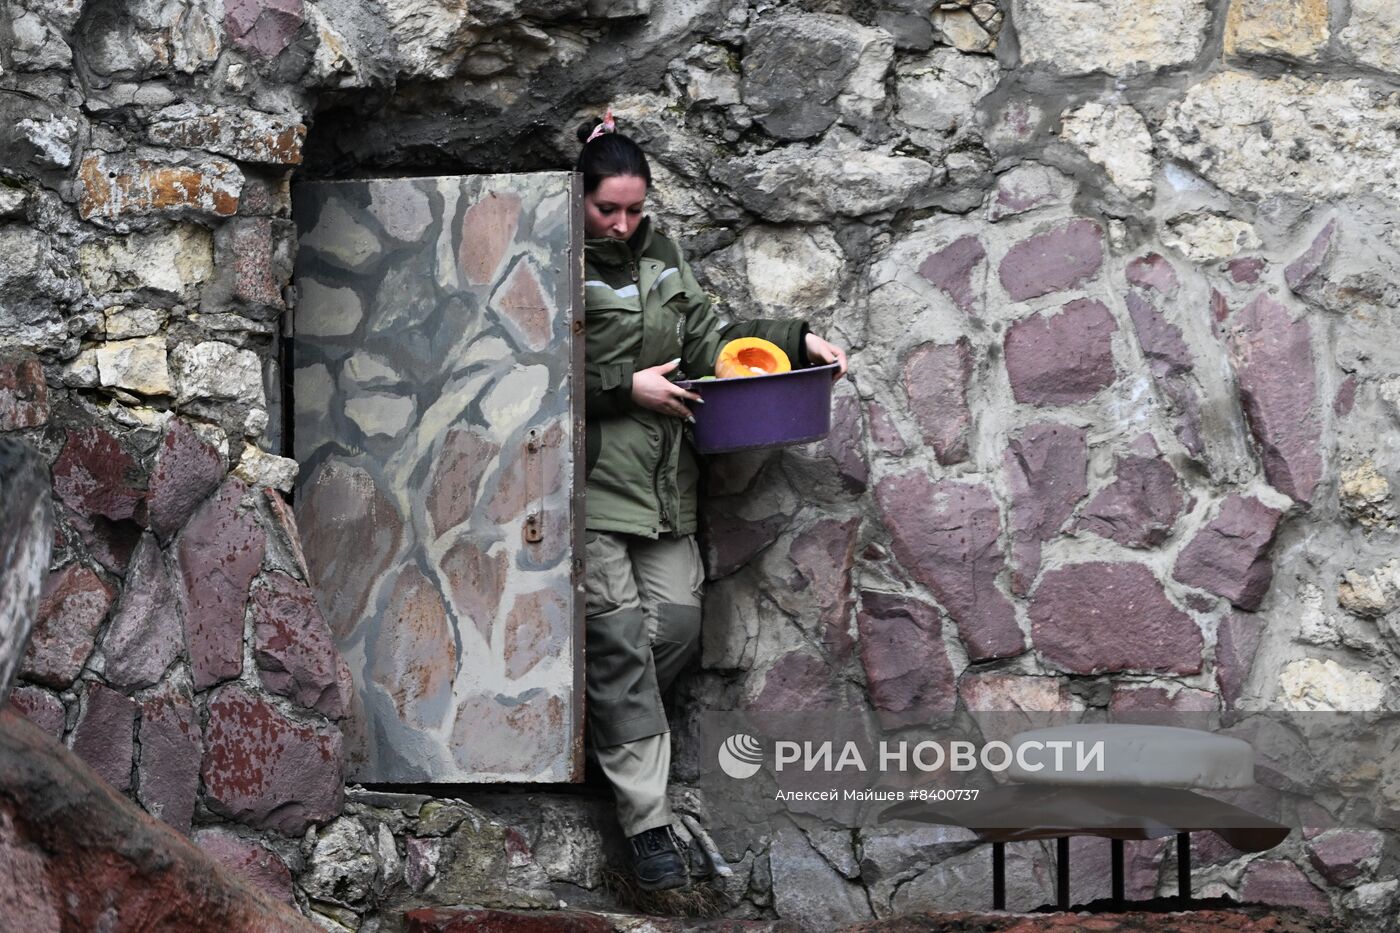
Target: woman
[648, 322]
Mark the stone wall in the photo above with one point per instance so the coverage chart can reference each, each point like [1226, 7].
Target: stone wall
[144, 216]
[1117, 279]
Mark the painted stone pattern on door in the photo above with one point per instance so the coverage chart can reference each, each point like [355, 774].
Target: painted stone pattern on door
[440, 496]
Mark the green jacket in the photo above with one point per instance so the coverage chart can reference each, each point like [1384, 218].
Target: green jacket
[644, 308]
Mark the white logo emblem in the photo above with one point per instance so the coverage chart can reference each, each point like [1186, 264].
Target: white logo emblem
[741, 756]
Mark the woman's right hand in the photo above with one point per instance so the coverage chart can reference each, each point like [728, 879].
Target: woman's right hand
[651, 389]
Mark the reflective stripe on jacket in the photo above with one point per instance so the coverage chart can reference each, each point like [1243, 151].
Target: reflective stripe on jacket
[645, 308]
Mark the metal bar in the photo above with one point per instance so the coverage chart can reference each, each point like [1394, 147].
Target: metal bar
[1062, 872]
[1117, 850]
[998, 876]
[1183, 865]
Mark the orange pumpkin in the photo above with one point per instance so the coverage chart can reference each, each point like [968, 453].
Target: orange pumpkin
[750, 356]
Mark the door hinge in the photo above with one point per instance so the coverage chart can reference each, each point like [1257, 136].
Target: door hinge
[533, 530]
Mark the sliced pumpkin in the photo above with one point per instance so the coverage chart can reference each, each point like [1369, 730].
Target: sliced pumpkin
[750, 356]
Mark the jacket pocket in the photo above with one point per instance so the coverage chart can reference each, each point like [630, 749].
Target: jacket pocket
[624, 470]
[612, 329]
[671, 286]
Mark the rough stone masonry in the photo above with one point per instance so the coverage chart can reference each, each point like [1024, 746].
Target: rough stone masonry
[1119, 280]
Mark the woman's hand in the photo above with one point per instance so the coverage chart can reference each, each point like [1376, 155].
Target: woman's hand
[651, 389]
[820, 351]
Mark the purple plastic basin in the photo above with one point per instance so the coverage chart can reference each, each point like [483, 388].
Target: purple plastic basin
[754, 412]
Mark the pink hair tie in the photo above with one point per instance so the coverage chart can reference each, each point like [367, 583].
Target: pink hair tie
[607, 126]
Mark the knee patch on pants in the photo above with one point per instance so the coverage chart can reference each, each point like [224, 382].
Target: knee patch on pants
[624, 703]
[677, 640]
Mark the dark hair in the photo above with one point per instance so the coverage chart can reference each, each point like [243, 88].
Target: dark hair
[609, 155]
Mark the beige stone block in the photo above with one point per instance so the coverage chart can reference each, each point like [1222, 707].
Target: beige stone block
[1206, 237]
[431, 38]
[994, 692]
[218, 371]
[1370, 595]
[1295, 28]
[334, 63]
[138, 366]
[1365, 495]
[936, 95]
[1311, 684]
[1336, 142]
[1117, 138]
[81, 373]
[170, 261]
[259, 468]
[123, 323]
[963, 32]
[138, 416]
[792, 268]
[1112, 36]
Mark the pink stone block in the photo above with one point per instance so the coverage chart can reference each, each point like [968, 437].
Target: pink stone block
[1046, 468]
[1140, 507]
[901, 649]
[951, 271]
[295, 654]
[1273, 881]
[844, 444]
[948, 536]
[1053, 261]
[95, 476]
[1154, 271]
[824, 555]
[1098, 616]
[72, 606]
[262, 769]
[41, 708]
[219, 552]
[1274, 363]
[104, 736]
[351, 531]
[936, 378]
[263, 27]
[145, 636]
[171, 751]
[186, 471]
[1236, 642]
[489, 231]
[1345, 856]
[537, 627]
[796, 681]
[1230, 555]
[415, 657]
[1063, 358]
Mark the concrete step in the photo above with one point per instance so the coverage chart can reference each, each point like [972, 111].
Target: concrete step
[1249, 919]
[439, 920]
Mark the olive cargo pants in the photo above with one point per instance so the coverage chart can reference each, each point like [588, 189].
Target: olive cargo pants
[642, 626]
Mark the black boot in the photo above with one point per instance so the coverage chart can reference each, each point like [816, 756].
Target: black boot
[657, 862]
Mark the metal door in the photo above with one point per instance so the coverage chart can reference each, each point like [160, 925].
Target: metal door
[438, 424]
